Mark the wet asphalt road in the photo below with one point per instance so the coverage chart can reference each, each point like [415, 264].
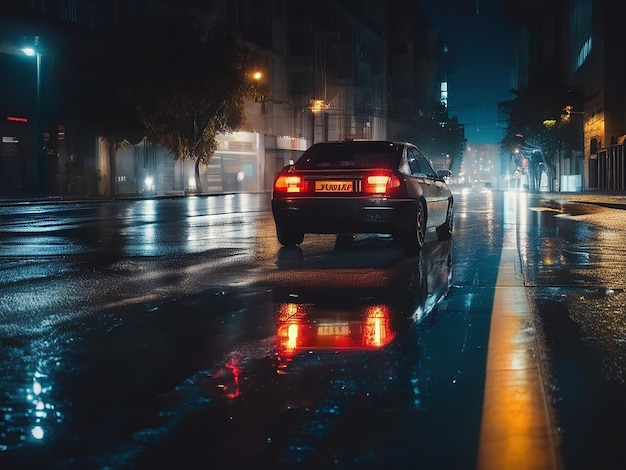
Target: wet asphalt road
[137, 333]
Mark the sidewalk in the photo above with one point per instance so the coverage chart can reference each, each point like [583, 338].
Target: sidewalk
[612, 200]
[7, 201]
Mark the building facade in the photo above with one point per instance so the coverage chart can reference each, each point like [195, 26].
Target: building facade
[597, 64]
[328, 66]
[583, 41]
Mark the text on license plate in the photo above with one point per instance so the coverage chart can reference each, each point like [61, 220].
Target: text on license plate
[335, 329]
[334, 186]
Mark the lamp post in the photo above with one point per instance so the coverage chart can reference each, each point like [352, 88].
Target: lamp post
[33, 51]
[30, 52]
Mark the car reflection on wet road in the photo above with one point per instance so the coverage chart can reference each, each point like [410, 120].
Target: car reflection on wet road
[347, 308]
[343, 373]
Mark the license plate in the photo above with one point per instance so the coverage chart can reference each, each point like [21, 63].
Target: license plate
[335, 329]
[334, 186]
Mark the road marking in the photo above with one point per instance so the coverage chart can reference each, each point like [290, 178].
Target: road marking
[517, 431]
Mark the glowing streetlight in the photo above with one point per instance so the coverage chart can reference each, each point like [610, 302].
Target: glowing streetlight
[318, 105]
[258, 86]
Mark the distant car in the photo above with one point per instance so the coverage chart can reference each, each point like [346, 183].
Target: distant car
[352, 187]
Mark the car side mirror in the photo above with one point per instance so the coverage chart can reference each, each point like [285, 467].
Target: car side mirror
[443, 174]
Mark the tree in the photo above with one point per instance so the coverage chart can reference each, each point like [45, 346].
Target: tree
[539, 127]
[117, 121]
[173, 80]
[438, 136]
[97, 85]
[190, 84]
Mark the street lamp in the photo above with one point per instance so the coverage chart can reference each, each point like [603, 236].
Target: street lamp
[33, 51]
[258, 86]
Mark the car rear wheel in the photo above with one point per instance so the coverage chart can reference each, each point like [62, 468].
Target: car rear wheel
[414, 238]
[288, 236]
[444, 231]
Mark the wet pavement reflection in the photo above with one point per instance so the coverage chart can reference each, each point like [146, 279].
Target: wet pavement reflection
[182, 332]
[574, 268]
[343, 379]
[283, 374]
[333, 354]
[343, 308]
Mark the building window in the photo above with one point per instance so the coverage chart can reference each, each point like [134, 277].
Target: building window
[68, 10]
[584, 52]
[443, 93]
[580, 31]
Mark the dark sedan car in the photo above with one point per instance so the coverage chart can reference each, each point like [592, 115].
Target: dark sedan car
[352, 187]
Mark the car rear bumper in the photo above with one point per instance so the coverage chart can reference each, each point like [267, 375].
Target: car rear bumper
[345, 215]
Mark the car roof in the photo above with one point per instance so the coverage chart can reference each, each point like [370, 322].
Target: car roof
[373, 144]
[352, 153]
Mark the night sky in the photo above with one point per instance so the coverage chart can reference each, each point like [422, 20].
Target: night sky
[482, 62]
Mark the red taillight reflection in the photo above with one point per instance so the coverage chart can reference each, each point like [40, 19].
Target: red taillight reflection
[289, 316]
[288, 336]
[296, 329]
[381, 183]
[377, 330]
[289, 184]
[227, 379]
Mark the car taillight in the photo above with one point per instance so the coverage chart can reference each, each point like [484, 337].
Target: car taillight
[381, 183]
[289, 184]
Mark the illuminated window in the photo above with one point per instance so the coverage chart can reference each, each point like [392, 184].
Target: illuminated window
[443, 93]
[580, 31]
[584, 52]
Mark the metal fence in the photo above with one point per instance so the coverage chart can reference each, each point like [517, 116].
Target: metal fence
[607, 170]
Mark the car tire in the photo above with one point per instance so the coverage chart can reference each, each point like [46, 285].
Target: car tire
[289, 237]
[444, 231]
[414, 239]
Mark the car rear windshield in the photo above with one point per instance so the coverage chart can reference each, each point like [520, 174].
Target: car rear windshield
[350, 155]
